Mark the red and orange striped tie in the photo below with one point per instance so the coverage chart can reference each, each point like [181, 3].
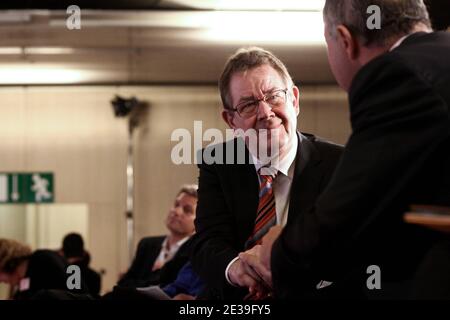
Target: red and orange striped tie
[266, 215]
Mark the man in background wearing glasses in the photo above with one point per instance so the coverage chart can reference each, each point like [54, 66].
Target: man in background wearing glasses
[238, 203]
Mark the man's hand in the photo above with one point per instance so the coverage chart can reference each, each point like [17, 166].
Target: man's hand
[252, 269]
[258, 258]
[267, 243]
[243, 275]
[251, 258]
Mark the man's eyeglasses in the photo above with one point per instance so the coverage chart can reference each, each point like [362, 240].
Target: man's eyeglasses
[275, 99]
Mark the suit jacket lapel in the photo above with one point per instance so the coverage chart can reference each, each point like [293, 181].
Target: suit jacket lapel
[307, 177]
[247, 195]
[154, 249]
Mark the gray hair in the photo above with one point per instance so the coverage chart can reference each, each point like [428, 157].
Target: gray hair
[398, 18]
[245, 59]
[189, 189]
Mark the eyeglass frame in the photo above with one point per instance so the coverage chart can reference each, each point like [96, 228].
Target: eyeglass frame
[258, 101]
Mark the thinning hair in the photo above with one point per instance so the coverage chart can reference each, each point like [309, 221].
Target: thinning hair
[398, 18]
[245, 59]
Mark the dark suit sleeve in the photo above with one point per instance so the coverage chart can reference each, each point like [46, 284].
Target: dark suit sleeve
[398, 122]
[215, 235]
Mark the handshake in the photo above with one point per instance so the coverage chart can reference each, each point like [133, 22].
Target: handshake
[252, 268]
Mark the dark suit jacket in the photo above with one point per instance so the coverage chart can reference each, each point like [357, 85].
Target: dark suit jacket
[140, 273]
[397, 155]
[432, 279]
[228, 201]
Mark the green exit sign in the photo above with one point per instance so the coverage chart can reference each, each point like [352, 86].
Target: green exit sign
[34, 187]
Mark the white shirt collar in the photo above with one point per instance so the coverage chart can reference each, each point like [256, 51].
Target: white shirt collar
[284, 163]
[165, 254]
[177, 244]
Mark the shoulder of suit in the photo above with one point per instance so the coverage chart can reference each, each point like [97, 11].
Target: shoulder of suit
[217, 153]
[222, 146]
[402, 60]
[379, 64]
[322, 144]
[151, 240]
[186, 246]
[373, 75]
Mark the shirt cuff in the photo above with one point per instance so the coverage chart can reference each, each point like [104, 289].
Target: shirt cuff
[226, 272]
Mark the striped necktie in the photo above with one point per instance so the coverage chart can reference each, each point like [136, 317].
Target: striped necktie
[266, 215]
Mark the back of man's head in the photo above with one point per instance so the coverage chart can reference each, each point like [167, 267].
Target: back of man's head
[398, 18]
[73, 245]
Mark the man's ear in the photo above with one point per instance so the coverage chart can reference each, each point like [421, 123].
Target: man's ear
[228, 117]
[348, 41]
[296, 99]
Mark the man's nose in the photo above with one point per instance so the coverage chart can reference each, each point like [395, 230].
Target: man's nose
[176, 211]
[264, 110]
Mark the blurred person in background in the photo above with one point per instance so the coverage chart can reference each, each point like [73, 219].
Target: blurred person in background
[29, 272]
[159, 259]
[75, 254]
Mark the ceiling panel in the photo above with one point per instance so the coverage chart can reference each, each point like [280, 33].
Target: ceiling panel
[147, 54]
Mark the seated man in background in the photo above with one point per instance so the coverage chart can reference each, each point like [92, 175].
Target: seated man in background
[159, 259]
[73, 251]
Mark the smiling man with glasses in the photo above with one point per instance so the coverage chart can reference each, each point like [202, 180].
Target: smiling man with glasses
[249, 107]
[238, 203]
